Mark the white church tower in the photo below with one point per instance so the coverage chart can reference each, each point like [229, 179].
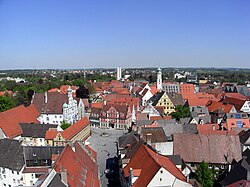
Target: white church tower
[159, 79]
[119, 73]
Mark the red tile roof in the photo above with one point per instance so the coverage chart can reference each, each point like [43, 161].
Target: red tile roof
[81, 169]
[51, 134]
[35, 170]
[149, 163]
[96, 105]
[199, 99]
[215, 105]
[10, 119]
[74, 129]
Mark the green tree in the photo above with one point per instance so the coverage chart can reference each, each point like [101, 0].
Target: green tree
[6, 103]
[65, 125]
[180, 112]
[204, 175]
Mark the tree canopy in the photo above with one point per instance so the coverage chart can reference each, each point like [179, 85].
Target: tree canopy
[204, 175]
[180, 112]
[6, 103]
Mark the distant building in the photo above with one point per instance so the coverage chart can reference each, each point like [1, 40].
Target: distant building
[192, 78]
[159, 79]
[119, 73]
[171, 87]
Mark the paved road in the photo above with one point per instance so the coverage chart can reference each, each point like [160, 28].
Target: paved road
[103, 142]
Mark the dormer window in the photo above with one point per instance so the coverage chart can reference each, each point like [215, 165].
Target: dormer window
[34, 154]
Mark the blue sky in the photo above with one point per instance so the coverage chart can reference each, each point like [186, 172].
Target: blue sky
[131, 33]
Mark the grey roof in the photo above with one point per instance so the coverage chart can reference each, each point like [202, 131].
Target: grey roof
[157, 134]
[171, 129]
[202, 119]
[56, 182]
[244, 90]
[11, 154]
[198, 110]
[176, 159]
[156, 98]
[149, 122]
[176, 99]
[35, 130]
[127, 142]
[41, 152]
[216, 149]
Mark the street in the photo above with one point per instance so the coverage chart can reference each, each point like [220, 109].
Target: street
[103, 141]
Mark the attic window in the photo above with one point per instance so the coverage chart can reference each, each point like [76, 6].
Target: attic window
[161, 171]
[232, 123]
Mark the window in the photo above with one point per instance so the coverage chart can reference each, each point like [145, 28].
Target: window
[160, 179]
[12, 172]
[47, 118]
[14, 181]
[161, 171]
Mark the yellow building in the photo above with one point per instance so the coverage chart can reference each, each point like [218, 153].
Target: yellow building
[79, 131]
[167, 100]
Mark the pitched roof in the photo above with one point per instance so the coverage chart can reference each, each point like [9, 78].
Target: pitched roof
[10, 119]
[54, 103]
[146, 158]
[51, 134]
[156, 97]
[11, 154]
[74, 129]
[176, 99]
[157, 134]
[35, 130]
[81, 169]
[215, 105]
[216, 149]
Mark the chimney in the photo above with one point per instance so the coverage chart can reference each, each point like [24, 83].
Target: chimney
[64, 177]
[213, 128]
[46, 97]
[149, 138]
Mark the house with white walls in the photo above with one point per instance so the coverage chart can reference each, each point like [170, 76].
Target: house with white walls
[148, 168]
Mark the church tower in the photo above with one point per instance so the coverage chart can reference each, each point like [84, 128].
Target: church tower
[159, 79]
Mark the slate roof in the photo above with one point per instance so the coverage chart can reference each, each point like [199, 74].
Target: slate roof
[11, 154]
[244, 137]
[157, 134]
[56, 181]
[41, 152]
[170, 129]
[215, 149]
[156, 98]
[239, 170]
[54, 103]
[176, 99]
[35, 130]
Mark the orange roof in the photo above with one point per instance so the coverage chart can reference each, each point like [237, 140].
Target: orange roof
[9, 92]
[215, 105]
[71, 131]
[96, 105]
[10, 119]
[154, 90]
[51, 134]
[54, 157]
[54, 90]
[144, 159]
[81, 169]
[199, 99]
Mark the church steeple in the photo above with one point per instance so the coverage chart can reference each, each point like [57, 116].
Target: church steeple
[159, 79]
